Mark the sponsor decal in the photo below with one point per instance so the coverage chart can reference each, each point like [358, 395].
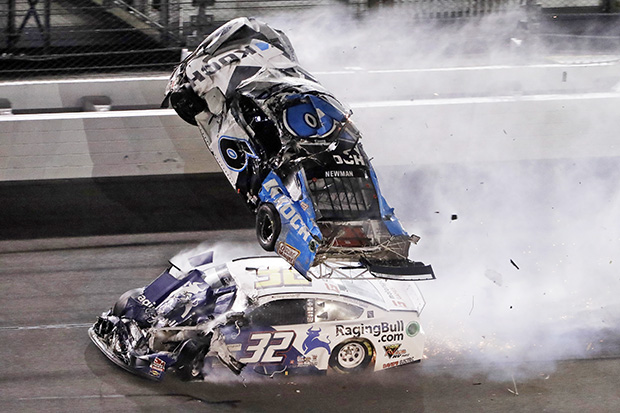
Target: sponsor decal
[384, 331]
[314, 341]
[211, 67]
[286, 209]
[390, 349]
[390, 364]
[304, 361]
[398, 362]
[348, 159]
[158, 366]
[288, 252]
[339, 174]
[145, 301]
[406, 361]
[394, 351]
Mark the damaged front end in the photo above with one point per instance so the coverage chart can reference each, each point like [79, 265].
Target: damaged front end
[173, 323]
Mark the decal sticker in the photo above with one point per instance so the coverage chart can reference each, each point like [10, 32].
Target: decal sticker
[385, 332]
[314, 341]
[391, 364]
[280, 277]
[145, 301]
[288, 252]
[393, 351]
[158, 366]
[286, 209]
[406, 361]
[390, 349]
[348, 159]
[339, 174]
[312, 117]
[266, 347]
[232, 154]
[212, 66]
[306, 361]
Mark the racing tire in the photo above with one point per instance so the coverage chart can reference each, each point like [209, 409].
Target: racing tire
[190, 360]
[351, 356]
[119, 307]
[268, 226]
[187, 104]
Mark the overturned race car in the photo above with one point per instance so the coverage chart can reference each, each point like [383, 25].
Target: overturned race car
[290, 149]
[261, 313]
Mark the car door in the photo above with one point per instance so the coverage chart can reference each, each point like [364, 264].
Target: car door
[268, 337]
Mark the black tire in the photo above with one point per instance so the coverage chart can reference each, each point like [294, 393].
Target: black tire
[351, 356]
[268, 226]
[187, 104]
[190, 359]
[121, 303]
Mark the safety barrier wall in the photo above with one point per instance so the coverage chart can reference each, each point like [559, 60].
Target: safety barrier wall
[395, 132]
[568, 75]
[574, 114]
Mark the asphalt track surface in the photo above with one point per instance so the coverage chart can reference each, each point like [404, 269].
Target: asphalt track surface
[52, 290]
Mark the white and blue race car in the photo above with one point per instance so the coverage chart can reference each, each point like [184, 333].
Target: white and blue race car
[263, 314]
[290, 149]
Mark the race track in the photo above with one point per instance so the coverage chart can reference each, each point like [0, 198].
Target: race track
[512, 182]
[52, 289]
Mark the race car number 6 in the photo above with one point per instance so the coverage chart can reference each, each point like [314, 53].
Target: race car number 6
[267, 345]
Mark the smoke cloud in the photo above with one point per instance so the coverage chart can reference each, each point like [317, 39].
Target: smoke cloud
[526, 252]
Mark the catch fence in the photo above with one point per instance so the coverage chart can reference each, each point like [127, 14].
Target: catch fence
[41, 37]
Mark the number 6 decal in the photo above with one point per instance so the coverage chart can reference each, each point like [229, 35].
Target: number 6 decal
[264, 346]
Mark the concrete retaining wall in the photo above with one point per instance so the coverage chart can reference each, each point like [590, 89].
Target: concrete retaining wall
[412, 116]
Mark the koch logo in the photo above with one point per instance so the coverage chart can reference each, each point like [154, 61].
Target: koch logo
[314, 341]
[286, 209]
[212, 66]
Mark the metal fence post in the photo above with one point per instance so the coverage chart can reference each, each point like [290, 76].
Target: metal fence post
[10, 27]
[164, 21]
[47, 35]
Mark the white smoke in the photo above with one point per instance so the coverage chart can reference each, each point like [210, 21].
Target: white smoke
[528, 270]
[526, 252]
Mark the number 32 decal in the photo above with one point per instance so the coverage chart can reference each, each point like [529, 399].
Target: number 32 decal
[262, 347]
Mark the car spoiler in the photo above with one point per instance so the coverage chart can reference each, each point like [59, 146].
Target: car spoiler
[403, 270]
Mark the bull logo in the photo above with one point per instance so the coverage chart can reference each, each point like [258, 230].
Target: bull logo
[314, 341]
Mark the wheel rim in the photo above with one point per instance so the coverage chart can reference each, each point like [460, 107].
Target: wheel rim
[266, 230]
[351, 355]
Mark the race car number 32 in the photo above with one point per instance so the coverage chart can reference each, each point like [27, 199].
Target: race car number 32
[263, 346]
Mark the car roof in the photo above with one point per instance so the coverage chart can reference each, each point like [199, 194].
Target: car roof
[260, 277]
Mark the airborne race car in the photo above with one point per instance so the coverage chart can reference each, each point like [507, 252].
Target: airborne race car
[262, 313]
[290, 150]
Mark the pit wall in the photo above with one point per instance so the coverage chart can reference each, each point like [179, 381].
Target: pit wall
[410, 116]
